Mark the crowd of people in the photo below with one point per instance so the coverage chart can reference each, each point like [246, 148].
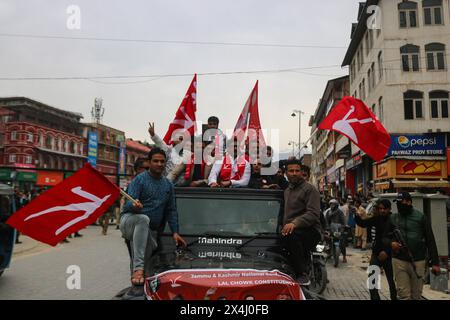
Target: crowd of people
[403, 244]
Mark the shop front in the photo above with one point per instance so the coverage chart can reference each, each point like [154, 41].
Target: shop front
[417, 162]
[49, 178]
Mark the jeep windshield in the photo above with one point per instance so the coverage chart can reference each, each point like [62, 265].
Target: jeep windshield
[241, 215]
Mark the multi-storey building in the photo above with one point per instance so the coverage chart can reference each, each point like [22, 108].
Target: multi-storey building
[110, 142]
[399, 67]
[35, 137]
[329, 148]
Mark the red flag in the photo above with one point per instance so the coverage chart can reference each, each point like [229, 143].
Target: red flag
[242, 122]
[185, 116]
[354, 119]
[254, 122]
[70, 206]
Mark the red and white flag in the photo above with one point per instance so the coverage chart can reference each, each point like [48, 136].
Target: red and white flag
[242, 123]
[352, 118]
[185, 116]
[70, 206]
[254, 122]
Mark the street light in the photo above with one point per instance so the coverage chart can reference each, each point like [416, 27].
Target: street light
[294, 114]
[292, 143]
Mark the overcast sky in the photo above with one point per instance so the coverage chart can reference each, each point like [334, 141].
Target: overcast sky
[129, 106]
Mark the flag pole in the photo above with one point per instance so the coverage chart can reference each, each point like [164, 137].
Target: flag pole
[126, 195]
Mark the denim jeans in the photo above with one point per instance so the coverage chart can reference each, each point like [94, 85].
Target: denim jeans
[136, 228]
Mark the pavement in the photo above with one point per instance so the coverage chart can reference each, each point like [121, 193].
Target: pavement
[39, 271]
[348, 281]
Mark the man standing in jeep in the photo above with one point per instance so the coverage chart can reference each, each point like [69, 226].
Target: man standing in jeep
[301, 222]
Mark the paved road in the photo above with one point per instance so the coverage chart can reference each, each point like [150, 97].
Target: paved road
[348, 281]
[103, 261]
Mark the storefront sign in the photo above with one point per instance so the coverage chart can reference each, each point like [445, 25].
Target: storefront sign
[448, 161]
[432, 144]
[331, 175]
[92, 148]
[382, 170]
[49, 178]
[342, 174]
[5, 174]
[26, 176]
[353, 162]
[419, 168]
[122, 162]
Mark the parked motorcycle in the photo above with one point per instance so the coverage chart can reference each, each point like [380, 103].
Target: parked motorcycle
[318, 273]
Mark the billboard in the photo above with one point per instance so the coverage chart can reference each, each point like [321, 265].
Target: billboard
[122, 159]
[92, 148]
[432, 144]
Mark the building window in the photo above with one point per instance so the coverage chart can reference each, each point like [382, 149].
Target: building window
[374, 109]
[14, 135]
[29, 137]
[435, 56]
[380, 109]
[12, 158]
[48, 142]
[439, 104]
[407, 14]
[410, 58]
[432, 11]
[380, 65]
[28, 159]
[72, 147]
[413, 105]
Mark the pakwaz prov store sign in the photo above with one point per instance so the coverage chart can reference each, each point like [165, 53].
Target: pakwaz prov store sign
[418, 145]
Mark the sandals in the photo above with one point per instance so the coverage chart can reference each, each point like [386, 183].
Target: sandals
[138, 278]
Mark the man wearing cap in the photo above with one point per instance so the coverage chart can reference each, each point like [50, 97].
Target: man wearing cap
[410, 260]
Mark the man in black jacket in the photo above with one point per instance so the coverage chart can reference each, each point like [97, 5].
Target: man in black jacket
[410, 259]
[336, 218]
[381, 254]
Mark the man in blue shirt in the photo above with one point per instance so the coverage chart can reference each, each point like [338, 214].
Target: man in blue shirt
[155, 205]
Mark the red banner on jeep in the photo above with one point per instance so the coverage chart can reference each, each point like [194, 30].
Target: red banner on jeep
[215, 284]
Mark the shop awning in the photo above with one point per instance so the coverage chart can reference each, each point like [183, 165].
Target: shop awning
[412, 184]
[26, 176]
[5, 174]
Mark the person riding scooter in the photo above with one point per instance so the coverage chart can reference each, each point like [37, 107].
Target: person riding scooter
[336, 219]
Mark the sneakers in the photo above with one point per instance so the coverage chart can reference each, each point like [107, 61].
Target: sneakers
[78, 235]
[303, 280]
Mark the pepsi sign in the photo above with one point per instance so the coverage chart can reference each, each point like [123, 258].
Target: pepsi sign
[432, 144]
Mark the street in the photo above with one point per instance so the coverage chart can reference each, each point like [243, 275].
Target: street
[39, 272]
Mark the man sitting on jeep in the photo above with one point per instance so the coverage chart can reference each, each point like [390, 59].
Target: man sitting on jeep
[301, 223]
[155, 204]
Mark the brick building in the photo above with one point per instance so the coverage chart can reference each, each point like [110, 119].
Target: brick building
[34, 137]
